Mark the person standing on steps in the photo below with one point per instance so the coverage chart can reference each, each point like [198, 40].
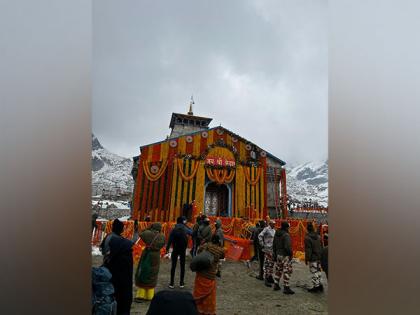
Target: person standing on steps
[283, 255]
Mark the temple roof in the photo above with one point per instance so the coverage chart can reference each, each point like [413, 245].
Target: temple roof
[227, 130]
[206, 121]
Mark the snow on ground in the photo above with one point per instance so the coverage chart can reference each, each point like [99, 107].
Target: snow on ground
[118, 204]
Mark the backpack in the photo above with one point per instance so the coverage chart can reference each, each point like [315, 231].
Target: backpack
[103, 302]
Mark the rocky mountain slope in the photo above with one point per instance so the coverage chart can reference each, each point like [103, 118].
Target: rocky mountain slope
[308, 181]
[110, 172]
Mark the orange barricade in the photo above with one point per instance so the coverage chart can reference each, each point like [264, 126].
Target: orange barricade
[234, 252]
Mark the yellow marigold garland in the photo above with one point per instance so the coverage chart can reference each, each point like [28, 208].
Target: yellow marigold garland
[248, 176]
[192, 175]
[154, 177]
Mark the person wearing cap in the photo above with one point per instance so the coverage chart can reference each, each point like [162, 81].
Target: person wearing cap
[148, 268]
[178, 238]
[265, 239]
[283, 255]
[119, 261]
[313, 252]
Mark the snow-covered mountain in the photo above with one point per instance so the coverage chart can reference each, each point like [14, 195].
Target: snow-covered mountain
[110, 171]
[308, 181]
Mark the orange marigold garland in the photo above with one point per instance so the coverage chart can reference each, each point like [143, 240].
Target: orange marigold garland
[154, 177]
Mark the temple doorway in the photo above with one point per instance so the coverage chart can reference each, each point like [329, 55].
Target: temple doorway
[216, 200]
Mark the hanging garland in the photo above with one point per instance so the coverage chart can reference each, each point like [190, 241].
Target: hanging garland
[229, 178]
[154, 177]
[248, 176]
[220, 176]
[193, 172]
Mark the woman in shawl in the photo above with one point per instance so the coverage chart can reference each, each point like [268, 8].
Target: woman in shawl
[148, 267]
[205, 281]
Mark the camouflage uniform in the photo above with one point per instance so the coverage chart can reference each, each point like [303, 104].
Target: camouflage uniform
[283, 253]
[315, 270]
[266, 241]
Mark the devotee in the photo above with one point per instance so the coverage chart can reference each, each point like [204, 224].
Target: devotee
[204, 231]
[313, 250]
[266, 242]
[219, 232]
[179, 241]
[283, 255]
[148, 267]
[195, 235]
[205, 281]
[119, 261]
[258, 250]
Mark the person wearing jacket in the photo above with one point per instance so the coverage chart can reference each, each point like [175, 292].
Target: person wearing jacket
[258, 249]
[204, 232]
[179, 241]
[283, 255]
[205, 281]
[195, 235]
[148, 267]
[313, 252]
[119, 261]
[219, 232]
[265, 239]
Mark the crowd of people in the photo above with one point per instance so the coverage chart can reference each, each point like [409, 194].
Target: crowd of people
[273, 250]
[118, 260]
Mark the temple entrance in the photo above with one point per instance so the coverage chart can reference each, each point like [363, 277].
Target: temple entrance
[216, 200]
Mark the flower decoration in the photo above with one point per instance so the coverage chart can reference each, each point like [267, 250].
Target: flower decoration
[189, 139]
[205, 134]
[248, 147]
[219, 131]
[234, 139]
[154, 169]
[173, 143]
[263, 153]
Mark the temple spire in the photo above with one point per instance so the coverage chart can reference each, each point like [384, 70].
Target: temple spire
[190, 112]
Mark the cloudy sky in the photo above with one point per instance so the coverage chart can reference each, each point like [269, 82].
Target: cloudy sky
[258, 68]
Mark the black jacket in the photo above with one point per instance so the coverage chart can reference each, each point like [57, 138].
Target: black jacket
[120, 264]
[178, 238]
[313, 247]
[256, 231]
[282, 244]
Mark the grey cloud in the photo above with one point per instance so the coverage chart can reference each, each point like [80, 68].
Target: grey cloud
[257, 67]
